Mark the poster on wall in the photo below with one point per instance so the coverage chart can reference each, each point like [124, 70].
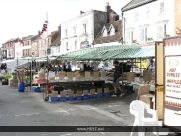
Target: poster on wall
[172, 100]
[84, 44]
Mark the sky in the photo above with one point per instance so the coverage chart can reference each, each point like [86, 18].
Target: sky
[19, 18]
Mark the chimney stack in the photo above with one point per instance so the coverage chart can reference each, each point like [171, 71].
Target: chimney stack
[108, 10]
[59, 28]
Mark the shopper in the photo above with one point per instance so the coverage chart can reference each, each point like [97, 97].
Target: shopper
[116, 79]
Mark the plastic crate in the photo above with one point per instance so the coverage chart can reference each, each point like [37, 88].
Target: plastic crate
[36, 89]
[62, 98]
[78, 97]
[53, 99]
[99, 95]
[85, 97]
[92, 96]
[70, 98]
[106, 94]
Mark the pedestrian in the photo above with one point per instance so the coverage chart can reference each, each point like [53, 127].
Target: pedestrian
[116, 79]
[69, 67]
[34, 63]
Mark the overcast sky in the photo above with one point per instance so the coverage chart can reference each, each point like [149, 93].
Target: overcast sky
[19, 18]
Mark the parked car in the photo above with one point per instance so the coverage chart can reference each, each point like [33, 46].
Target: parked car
[135, 69]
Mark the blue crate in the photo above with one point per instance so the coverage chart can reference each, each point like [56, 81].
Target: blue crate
[70, 98]
[78, 97]
[53, 99]
[62, 98]
[85, 97]
[92, 96]
[106, 94]
[99, 95]
[36, 89]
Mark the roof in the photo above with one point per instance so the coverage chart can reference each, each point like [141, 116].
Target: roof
[10, 40]
[135, 3]
[111, 52]
[56, 39]
[110, 38]
[52, 33]
[28, 37]
[34, 37]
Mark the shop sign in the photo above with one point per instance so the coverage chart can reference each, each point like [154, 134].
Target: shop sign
[172, 100]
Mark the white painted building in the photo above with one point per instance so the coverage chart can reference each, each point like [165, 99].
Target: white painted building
[148, 20]
[18, 50]
[79, 33]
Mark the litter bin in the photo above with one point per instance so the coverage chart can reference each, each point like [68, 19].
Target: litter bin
[21, 86]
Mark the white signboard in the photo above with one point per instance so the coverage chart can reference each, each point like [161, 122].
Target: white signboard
[172, 103]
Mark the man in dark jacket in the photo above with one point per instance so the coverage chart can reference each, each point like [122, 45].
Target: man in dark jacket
[116, 79]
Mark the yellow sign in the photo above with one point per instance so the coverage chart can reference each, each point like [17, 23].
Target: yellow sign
[159, 88]
[143, 63]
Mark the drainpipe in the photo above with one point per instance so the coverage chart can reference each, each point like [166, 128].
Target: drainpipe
[123, 28]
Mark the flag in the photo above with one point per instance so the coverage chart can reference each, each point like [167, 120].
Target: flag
[20, 41]
[44, 32]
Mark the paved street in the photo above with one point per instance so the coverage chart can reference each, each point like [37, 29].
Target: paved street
[29, 109]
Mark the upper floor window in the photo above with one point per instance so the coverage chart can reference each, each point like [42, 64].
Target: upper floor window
[129, 36]
[104, 32]
[148, 12]
[67, 46]
[112, 31]
[66, 32]
[143, 35]
[162, 7]
[136, 16]
[84, 28]
[74, 31]
[75, 45]
[161, 31]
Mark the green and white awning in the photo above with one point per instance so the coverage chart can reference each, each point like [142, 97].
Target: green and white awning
[111, 52]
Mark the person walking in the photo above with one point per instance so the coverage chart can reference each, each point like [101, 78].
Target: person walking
[116, 80]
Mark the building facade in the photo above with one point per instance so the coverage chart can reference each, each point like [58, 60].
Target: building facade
[9, 49]
[26, 48]
[148, 20]
[79, 33]
[56, 42]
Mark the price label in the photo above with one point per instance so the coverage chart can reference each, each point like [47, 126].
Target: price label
[159, 89]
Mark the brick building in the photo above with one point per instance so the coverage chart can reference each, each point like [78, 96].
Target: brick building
[9, 48]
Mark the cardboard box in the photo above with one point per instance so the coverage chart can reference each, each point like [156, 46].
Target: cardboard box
[92, 92]
[70, 93]
[87, 74]
[125, 90]
[70, 75]
[106, 90]
[54, 93]
[143, 89]
[79, 93]
[147, 98]
[130, 76]
[96, 74]
[99, 91]
[41, 75]
[103, 74]
[63, 94]
[85, 92]
[77, 75]
[147, 76]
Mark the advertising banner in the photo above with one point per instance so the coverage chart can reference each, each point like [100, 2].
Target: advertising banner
[172, 83]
